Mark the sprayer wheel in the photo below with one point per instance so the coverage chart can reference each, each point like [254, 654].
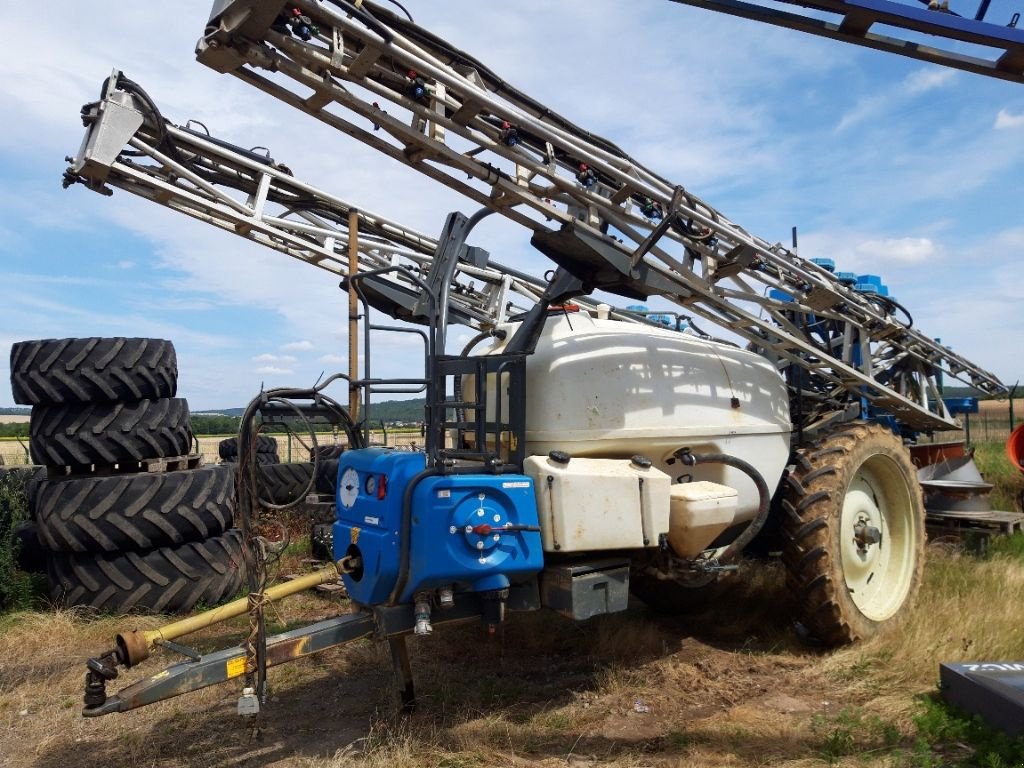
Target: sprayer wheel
[135, 511]
[169, 579]
[854, 530]
[63, 371]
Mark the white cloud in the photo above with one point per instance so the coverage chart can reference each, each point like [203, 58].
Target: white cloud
[266, 357]
[865, 252]
[902, 250]
[125, 264]
[1005, 120]
[332, 359]
[297, 346]
[884, 100]
[273, 369]
[928, 79]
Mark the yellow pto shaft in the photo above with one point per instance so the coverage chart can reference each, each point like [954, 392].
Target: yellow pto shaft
[135, 646]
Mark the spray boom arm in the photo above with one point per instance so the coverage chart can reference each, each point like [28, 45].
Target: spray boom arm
[594, 210]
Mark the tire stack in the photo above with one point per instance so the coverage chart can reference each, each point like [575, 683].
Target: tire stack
[129, 520]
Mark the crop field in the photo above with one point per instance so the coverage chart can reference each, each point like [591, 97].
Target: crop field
[732, 686]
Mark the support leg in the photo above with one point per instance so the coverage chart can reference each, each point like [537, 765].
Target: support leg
[403, 672]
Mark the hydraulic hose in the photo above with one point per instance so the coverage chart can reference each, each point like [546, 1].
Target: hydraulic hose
[734, 550]
[405, 534]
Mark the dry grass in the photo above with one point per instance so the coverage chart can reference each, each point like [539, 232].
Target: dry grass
[731, 687]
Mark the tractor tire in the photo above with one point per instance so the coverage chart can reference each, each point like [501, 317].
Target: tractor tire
[285, 483]
[327, 476]
[109, 433]
[322, 452]
[165, 580]
[135, 512]
[261, 459]
[65, 371]
[854, 530]
[228, 448]
[676, 598]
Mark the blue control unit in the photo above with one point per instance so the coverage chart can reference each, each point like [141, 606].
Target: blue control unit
[477, 532]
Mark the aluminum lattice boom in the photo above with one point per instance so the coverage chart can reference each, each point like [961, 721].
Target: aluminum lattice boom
[130, 146]
[593, 209]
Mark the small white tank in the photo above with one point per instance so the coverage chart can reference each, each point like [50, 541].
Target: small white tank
[606, 389]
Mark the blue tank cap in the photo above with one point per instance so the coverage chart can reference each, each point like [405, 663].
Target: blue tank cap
[828, 264]
[866, 288]
[636, 308]
[847, 278]
[875, 280]
[666, 320]
[778, 295]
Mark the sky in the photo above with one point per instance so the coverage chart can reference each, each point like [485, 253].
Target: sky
[885, 164]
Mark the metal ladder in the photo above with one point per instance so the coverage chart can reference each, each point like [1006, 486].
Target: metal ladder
[594, 210]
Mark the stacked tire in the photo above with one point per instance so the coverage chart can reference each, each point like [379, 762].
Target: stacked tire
[266, 450]
[119, 539]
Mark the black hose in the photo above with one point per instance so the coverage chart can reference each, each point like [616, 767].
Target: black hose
[405, 534]
[735, 549]
[497, 334]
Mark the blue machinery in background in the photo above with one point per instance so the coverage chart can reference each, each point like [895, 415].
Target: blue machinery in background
[851, 21]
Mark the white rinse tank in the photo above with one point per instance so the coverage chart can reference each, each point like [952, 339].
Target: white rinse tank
[607, 389]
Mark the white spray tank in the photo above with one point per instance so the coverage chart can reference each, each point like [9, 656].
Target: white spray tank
[598, 388]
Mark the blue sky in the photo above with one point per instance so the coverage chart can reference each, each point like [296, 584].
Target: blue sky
[885, 164]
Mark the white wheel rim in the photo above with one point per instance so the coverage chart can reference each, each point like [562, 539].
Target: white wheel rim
[878, 575]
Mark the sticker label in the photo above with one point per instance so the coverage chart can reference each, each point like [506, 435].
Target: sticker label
[235, 667]
[371, 520]
[354, 534]
[516, 484]
[444, 493]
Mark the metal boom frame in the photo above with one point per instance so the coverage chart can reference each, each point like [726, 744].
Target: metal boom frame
[417, 99]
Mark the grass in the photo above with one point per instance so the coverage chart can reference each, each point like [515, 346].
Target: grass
[995, 467]
[16, 587]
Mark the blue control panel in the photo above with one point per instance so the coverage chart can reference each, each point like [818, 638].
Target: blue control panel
[477, 532]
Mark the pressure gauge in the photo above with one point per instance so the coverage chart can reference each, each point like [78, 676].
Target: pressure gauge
[371, 485]
[348, 489]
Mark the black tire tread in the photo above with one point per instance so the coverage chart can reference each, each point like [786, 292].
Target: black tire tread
[284, 483]
[105, 433]
[135, 512]
[327, 476]
[261, 459]
[62, 371]
[164, 580]
[227, 449]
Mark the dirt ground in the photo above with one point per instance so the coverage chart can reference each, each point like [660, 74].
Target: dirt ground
[632, 689]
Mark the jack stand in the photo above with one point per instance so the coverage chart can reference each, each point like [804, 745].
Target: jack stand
[100, 670]
[403, 672]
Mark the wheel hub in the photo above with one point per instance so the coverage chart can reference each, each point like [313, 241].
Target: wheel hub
[865, 535]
